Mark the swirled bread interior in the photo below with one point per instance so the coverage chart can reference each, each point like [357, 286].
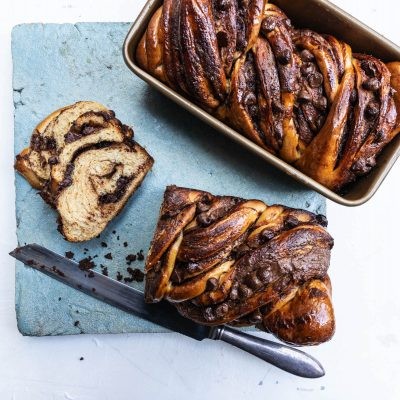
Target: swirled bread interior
[86, 165]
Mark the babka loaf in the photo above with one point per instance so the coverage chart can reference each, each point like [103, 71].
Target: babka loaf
[226, 260]
[86, 165]
[303, 96]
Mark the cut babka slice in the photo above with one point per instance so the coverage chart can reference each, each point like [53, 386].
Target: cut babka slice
[86, 165]
[227, 260]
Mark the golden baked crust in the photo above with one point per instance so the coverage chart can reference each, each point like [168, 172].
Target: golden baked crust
[223, 259]
[86, 165]
[302, 96]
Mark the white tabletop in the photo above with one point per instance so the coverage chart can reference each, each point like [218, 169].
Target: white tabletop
[362, 360]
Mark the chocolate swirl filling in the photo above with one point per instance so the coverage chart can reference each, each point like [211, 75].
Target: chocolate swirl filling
[222, 259]
[301, 95]
[91, 168]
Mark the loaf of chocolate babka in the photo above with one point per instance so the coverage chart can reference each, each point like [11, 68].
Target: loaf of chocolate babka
[302, 96]
[86, 165]
[227, 260]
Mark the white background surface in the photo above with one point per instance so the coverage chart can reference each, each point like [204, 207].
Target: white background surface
[363, 359]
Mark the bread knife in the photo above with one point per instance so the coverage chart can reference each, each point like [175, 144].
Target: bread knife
[164, 314]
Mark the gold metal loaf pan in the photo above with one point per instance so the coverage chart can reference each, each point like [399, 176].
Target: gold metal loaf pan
[319, 15]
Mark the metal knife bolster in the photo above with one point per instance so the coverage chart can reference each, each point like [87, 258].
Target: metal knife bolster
[108, 290]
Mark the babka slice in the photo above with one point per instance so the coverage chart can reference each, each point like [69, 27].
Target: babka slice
[86, 165]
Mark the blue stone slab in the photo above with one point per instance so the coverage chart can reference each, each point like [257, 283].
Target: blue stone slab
[55, 65]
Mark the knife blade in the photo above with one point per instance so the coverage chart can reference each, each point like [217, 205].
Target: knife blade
[164, 314]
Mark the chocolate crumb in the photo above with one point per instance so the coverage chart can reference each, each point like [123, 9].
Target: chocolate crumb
[91, 274]
[81, 359]
[86, 263]
[140, 255]
[136, 274]
[59, 299]
[108, 256]
[104, 270]
[85, 249]
[114, 232]
[125, 244]
[69, 254]
[93, 289]
[103, 244]
[118, 237]
[76, 323]
[119, 276]
[130, 258]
